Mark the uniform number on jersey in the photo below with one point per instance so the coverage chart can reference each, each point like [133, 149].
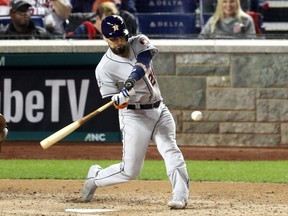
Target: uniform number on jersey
[152, 78]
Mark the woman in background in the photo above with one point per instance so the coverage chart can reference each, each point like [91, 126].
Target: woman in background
[92, 30]
[229, 21]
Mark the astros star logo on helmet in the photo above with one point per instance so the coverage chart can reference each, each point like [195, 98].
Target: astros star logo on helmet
[115, 27]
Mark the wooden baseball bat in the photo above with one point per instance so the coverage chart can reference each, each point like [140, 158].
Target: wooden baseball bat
[60, 134]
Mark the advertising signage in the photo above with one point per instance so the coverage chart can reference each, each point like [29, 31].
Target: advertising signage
[39, 100]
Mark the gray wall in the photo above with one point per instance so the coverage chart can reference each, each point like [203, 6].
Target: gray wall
[241, 86]
[242, 91]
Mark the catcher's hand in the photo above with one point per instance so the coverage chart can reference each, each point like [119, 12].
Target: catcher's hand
[3, 129]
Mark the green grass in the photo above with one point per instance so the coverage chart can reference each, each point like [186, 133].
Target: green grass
[231, 171]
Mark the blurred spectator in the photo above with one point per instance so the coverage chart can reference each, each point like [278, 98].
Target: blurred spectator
[127, 5]
[81, 12]
[55, 13]
[229, 21]
[129, 19]
[92, 29]
[80, 23]
[4, 7]
[97, 4]
[4, 2]
[76, 19]
[21, 26]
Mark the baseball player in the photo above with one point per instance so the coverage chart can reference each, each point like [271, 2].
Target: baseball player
[3, 128]
[125, 73]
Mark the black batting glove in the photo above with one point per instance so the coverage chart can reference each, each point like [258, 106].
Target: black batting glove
[129, 83]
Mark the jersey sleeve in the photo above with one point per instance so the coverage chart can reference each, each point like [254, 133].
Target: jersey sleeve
[141, 43]
[105, 84]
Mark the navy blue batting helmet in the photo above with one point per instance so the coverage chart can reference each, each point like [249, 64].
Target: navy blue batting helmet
[113, 26]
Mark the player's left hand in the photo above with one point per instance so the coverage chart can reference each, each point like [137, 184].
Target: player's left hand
[122, 97]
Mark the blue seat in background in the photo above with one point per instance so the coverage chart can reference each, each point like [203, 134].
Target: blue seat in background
[154, 6]
[5, 20]
[37, 20]
[167, 25]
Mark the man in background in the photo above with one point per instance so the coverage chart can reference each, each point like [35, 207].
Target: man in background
[21, 26]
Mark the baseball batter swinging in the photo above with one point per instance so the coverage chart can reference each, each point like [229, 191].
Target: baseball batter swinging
[126, 73]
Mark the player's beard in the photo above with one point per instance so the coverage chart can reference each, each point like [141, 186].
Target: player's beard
[121, 51]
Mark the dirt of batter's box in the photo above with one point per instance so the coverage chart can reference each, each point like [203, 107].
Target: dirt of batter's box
[141, 198]
[109, 151]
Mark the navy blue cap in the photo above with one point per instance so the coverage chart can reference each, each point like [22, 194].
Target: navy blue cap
[113, 26]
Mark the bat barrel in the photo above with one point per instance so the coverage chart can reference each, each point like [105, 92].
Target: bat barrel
[57, 136]
[45, 144]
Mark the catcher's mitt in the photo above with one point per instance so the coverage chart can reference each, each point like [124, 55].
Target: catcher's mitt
[3, 128]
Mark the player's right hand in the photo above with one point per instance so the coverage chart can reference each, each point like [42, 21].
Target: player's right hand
[122, 97]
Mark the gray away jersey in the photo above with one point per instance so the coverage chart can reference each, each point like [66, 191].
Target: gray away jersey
[113, 70]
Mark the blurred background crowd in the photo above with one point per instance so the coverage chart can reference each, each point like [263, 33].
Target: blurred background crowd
[160, 19]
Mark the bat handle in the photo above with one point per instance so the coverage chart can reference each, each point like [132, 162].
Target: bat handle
[96, 112]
